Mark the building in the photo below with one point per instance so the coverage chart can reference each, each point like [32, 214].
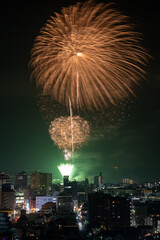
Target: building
[81, 196]
[8, 199]
[141, 213]
[98, 181]
[127, 181]
[74, 190]
[147, 213]
[21, 180]
[65, 203]
[108, 212]
[41, 200]
[19, 202]
[7, 195]
[5, 180]
[48, 208]
[4, 222]
[84, 212]
[119, 212]
[69, 187]
[97, 209]
[41, 182]
[66, 181]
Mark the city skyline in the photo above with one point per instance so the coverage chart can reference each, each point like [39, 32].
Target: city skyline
[131, 150]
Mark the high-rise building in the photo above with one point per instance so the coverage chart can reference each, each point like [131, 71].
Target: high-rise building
[108, 212]
[7, 196]
[8, 199]
[98, 181]
[5, 180]
[97, 209]
[21, 180]
[120, 212]
[41, 181]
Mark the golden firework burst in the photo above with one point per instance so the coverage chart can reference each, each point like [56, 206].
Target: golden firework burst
[89, 53]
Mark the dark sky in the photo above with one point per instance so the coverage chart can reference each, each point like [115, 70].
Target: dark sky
[25, 142]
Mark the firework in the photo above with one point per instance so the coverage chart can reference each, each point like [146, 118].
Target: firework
[67, 154]
[90, 53]
[69, 133]
[65, 169]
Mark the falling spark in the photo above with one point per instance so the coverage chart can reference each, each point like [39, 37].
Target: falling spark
[71, 117]
[90, 53]
[78, 88]
[67, 155]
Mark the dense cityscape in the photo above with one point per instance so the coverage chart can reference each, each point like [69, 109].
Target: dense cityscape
[36, 206]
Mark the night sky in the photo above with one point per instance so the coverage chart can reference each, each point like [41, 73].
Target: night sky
[25, 142]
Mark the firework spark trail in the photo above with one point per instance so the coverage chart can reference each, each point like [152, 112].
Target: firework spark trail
[71, 127]
[77, 90]
[89, 53]
[60, 132]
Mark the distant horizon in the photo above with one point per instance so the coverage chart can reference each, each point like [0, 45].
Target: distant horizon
[91, 181]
